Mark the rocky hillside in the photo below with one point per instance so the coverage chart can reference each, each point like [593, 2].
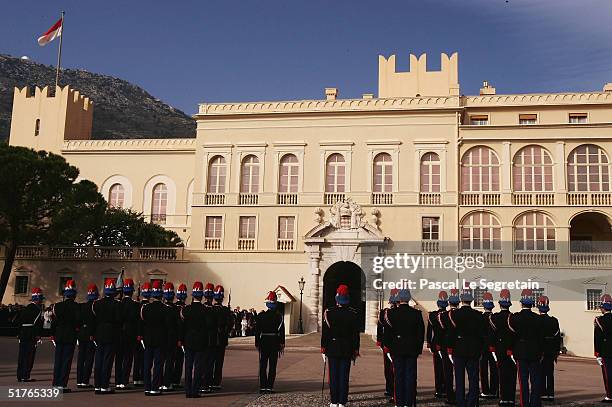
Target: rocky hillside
[121, 110]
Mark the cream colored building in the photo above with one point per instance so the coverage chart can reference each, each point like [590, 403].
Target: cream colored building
[269, 192]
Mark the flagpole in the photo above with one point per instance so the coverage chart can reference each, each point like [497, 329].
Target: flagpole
[59, 52]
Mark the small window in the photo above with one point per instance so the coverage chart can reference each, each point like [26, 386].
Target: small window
[578, 117]
[479, 120]
[37, 128]
[286, 226]
[431, 228]
[478, 296]
[247, 225]
[537, 293]
[593, 298]
[62, 284]
[21, 285]
[528, 118]
[214, 227]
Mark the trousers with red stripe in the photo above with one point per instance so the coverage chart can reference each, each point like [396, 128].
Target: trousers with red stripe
[529, 376]
[339, 373]
[606, 371]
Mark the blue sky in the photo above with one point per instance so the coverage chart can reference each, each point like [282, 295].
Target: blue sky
[188, 51]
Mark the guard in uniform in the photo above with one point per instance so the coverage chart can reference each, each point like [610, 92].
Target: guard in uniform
[130, 319]
[65, 327]
[194, 334]
[528, 349]
[145, 291]
[172, 322]
[107, 323]
[404, 342]
[552, 347]
[181, 296]
[87, 348]
[470, 329]
[502, 338]
[270, 342]
[603, 344]
[489, 375]
[448, 339]
[212, 338]
[30, 322]
[380, 335]
[225, 321]
[435, 343]
[154, 340]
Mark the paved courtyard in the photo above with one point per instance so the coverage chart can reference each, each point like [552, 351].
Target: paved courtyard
[578, 381]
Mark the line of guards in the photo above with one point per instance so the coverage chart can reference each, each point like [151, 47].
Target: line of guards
[156, 336]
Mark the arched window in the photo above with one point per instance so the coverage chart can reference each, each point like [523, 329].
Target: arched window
[116, 196]
[249, 179]
[335, 177]
[588, 169]
[480, 231]
[534, 231]
[37, 128]
[430, 172]
[532, 170]
[383, 173]
[217, 170]
[480, 170]
[288, 174]
[159, 203]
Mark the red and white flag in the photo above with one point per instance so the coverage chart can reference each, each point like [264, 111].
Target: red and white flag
[53, 32]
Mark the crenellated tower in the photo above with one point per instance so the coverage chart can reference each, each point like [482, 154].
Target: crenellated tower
[43, 122]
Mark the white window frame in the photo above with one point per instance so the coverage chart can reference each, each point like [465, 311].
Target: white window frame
[345, 148]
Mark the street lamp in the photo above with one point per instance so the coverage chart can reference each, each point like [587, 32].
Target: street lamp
[301, 284]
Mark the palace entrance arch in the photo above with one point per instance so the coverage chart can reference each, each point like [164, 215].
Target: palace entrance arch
[350, 274]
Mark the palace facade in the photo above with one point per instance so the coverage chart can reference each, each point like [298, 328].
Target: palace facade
[269, 192]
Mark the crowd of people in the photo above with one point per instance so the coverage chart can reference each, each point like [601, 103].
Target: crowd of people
[244, 322]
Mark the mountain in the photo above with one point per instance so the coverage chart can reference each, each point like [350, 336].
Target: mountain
[121, 110]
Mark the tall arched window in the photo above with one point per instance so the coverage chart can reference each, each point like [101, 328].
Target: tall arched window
[480, 231]
[217, 170]
[288, 174]
[249, 178]
[532, 170]
[430, 172]
[335, 177]
[534, 231]
[588, 169]
[116, 196]
[159, 203]
[383, 173]
[480, 170]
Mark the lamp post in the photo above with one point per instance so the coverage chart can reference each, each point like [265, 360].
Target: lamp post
[301, 284]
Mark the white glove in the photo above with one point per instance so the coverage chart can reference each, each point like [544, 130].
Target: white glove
[324, 357]
[390, 358]
[513, 360]
[95, 344]
[450, 357]
[142, 343]
[599, 361]
[182, 347]
[53, 340]
[494, 356]
[77, 342]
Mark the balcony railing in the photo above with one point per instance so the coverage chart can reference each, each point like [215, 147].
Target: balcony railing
[430, 198]
[430, 246]
[158, 218]
[246, 244]
[591, 259]
[287, 199]
[212, 243]
[589, 198]
[382, 198]
[100, 253]
[490, 258]
[248, 199]
[533, 198]
[331, 198]
[479, 198]
[214, 199]
[542, 259]
[285, 244]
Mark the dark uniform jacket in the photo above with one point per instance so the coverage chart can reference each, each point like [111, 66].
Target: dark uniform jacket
[469, 327]
[87, 322]
[502, 335]
[212, 337]
[30, 322]
[435, 333]
[406, 331]
[340, 333]
[172, 323]
[154, 328]
[380, 326]
[129, 311]
[269, 331]
[603, 335]
[552, 335]
[448, 334]
[194, 326]
[66, 321]
[528, 338]
[225, 321]
[106, 313]
[489, 339]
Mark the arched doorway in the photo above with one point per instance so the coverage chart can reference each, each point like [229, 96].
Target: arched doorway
[591, 232]
[346, 272]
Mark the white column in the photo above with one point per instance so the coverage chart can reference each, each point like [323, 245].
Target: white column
[560, 182]
[506, 168]
[313, 290]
